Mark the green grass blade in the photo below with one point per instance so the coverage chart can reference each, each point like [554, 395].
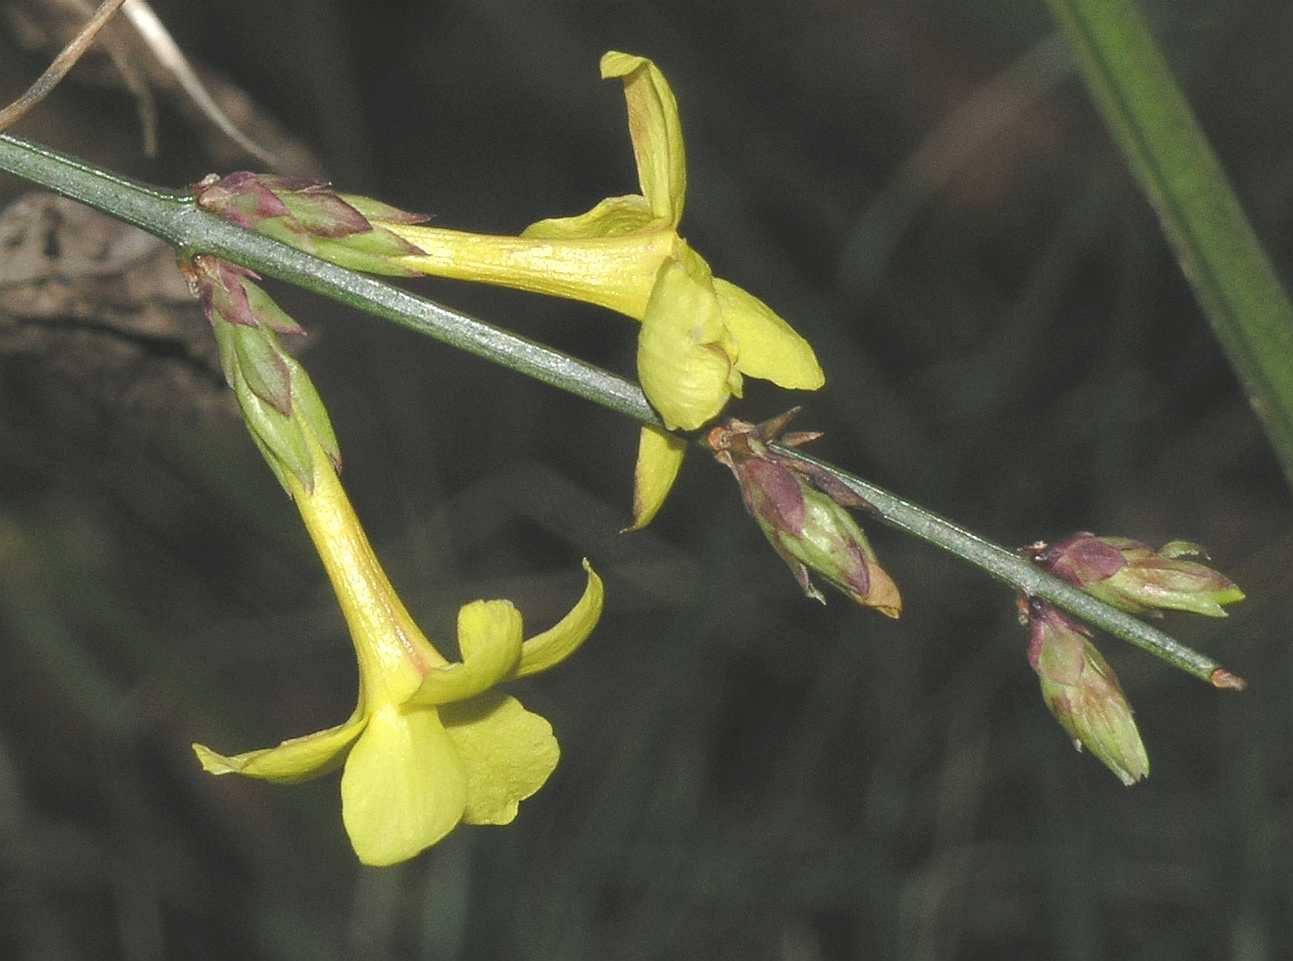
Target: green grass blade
[1232, 277]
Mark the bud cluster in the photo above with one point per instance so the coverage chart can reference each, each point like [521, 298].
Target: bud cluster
[1134, 577]
[1078, 685]
[279, 403]
[309, 215]
[801, 509]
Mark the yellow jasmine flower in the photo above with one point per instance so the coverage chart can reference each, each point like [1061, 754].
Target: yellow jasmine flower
[430, 743]
[699, 333]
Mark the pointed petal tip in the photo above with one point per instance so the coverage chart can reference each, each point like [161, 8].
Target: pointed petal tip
[549, 648]
[615, 63]
[292, 761]
[212, 762]
[660, 457]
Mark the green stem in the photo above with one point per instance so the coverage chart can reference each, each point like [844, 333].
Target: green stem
[174, 218]
[1022, 575]
[1222, 258]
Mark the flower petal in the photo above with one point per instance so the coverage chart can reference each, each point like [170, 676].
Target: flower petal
[297, 759]
[655, 130]
[660, 456]
[404, 787]
[685, 359]
[558, 642]
[489, 636]
[507, 753]
[613, 217]
[769, 348]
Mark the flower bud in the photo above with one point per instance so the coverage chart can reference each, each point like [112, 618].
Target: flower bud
[802, 516]
[309, 215]
[1132, 576]
[1083, 693]
[278, 400]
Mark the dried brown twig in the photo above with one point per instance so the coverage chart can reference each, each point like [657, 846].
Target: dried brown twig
[60, 65]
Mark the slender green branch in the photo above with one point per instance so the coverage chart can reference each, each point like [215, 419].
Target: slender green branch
[174, 218]
[1022, 575]
[1177, 168]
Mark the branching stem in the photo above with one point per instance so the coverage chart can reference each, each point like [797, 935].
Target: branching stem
[175, 219]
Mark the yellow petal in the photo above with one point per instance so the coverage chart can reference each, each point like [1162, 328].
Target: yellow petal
[404, 787]
[768, 347]
[489, 635]
[507, 753]
[558, 642]
[613, 217]
[684, 361]
[660, 456]
[297, 759]
[655, 130]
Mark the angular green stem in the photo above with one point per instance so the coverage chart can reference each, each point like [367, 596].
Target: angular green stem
[1172, 159]
[175, 219]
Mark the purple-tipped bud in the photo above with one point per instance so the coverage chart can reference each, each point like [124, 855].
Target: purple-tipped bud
[1132, 576]
[803, 520]
[1083, 693]
[311, 216]
[242, 198]
[278, 401]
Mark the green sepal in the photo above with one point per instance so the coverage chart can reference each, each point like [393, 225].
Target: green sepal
[224, 341]
[376, 210]
[379, 242]
[281, 438]
[268, 313]
[374, 252]
[308, 406]
[263, 367]
[285, 231]
[323, 213]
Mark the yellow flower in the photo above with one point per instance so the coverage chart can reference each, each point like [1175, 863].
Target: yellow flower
[699, 333]
[430, 743]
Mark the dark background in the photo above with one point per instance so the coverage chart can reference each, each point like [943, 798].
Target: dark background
[924, 190]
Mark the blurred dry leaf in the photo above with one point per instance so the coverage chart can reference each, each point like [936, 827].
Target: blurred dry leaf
[103, 306]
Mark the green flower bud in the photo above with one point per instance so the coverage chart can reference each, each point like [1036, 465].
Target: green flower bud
[1083, 693]
[1132, 576]
[309, 215]
[279, 403]
[802, 514]
[281, 437]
